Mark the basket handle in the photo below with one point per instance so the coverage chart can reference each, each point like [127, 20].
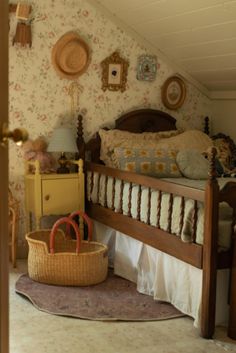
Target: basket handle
[85, 218]
[69, 222]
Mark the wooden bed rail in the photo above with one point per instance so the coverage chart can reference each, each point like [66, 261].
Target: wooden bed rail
[158, 238]
[190, 253]
[147, 181]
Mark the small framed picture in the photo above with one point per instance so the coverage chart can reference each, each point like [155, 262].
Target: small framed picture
[147, 68]
[173, 92]
[114, 73]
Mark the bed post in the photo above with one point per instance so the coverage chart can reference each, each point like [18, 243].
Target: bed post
[80, 138]
[232, 313]
[210, 251]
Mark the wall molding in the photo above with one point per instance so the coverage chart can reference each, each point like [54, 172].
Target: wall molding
[224, 95]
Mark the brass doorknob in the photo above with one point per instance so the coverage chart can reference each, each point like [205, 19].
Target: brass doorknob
[17, 135]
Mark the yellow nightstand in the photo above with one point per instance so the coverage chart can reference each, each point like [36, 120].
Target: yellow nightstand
[53, 194]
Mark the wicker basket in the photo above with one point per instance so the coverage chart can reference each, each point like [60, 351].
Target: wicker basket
[57, 259]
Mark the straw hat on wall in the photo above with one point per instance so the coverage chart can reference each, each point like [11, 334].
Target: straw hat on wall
[70, 56]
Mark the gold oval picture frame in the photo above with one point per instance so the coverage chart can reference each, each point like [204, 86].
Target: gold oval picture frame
[173, 92]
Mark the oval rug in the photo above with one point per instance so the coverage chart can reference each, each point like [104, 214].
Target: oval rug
[114, 299]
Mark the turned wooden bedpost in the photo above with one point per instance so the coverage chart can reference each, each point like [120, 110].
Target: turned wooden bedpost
[232, 313]
[228, 194]
[80, 138]
[210, 251]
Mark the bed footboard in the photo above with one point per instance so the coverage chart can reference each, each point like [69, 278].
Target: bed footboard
[205, 256]
[121, 219]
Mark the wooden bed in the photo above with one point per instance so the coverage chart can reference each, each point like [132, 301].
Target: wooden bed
[206, 256]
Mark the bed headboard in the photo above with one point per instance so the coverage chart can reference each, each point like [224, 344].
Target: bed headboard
[145, 120]
[141, 120]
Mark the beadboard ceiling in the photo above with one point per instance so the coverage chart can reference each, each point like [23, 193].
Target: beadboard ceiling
[198, 35]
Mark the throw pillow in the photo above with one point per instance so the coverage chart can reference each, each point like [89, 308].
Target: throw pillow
[150, 161]
[111, 139]
[192, 164]
[191, 139]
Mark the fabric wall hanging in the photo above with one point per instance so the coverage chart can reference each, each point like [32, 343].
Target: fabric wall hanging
[74, 90]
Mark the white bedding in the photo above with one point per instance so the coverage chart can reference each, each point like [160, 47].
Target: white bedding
[160, 275]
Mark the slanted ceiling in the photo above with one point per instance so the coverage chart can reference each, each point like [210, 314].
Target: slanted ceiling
[198, 35]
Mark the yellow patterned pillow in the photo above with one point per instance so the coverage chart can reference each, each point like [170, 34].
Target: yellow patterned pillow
[110, 139]
[151, 161]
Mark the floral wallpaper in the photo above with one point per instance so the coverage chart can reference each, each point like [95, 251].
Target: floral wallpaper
[40, 100]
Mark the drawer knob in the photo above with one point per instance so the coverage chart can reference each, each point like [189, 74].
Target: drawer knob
[47, 197]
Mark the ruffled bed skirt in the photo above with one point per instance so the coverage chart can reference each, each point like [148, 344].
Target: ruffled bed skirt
[160, 275]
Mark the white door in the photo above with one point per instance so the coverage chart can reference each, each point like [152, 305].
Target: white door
[4, 259]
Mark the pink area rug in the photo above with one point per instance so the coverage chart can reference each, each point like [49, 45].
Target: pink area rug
[114, 299]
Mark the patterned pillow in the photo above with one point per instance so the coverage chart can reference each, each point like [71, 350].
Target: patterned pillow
[154, 162]
[110, 139]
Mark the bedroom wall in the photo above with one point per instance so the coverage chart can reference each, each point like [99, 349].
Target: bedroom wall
[39, 99]
[224, 117]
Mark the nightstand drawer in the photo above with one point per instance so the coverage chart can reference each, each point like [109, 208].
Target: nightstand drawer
[60, 196]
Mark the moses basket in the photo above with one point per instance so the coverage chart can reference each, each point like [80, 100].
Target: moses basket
[56, 258]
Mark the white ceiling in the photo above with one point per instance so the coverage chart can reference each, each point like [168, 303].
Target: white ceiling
[198, 35]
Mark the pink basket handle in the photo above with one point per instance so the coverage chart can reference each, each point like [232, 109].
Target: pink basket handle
[68, 222]
[85, 218]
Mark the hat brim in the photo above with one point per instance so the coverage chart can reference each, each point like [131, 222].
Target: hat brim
[70, 56]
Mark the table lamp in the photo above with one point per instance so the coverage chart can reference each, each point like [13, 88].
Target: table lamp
[63, 140]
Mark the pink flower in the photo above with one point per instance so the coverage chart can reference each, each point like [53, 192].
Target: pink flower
[85, 13]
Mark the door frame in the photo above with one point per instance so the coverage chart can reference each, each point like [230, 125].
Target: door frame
[4, 248]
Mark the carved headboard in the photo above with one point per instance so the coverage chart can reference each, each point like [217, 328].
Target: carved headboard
[145, 120]
[137, 121]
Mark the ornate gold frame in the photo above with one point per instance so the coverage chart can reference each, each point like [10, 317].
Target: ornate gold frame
[114, 73]
[181, 94]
